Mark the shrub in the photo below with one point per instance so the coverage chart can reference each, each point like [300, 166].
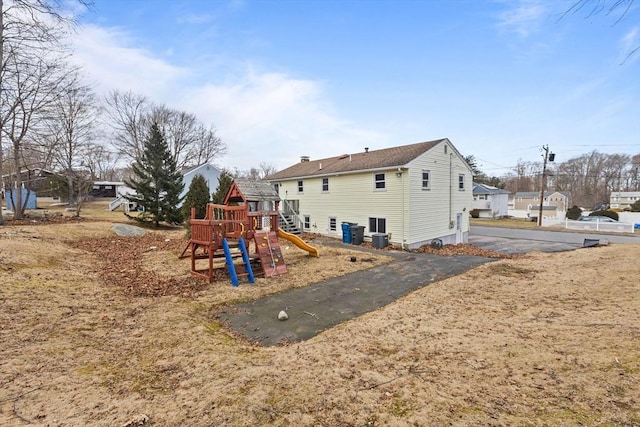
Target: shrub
[635, 207]
[574, 213]
[610, 214]
[475, 213]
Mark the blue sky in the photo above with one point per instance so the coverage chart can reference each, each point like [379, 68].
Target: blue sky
[283, 79]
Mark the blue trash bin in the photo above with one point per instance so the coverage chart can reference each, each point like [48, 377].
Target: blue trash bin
[346, 231]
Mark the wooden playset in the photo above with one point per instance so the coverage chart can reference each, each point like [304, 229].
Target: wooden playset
[225, 234]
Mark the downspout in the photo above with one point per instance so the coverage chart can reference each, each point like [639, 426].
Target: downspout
[404, 241]
[450, 189]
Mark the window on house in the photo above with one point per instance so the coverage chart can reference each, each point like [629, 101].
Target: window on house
[307, 222]
[276, 187]
[300, 187]
[446, 149]
[325, 185]
[379, 181]
[332, 223]
[461, 182]
[377, 225]
[426, 180]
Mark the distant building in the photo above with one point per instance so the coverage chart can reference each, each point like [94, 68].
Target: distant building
[491, 202]
[623, 199]
[526, 204]
[210, 173]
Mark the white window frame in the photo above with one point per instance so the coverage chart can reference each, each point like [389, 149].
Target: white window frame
[461, 182]
[333, 223]
[325, 181]
[306, 222]
[376, 181]
[300, 186]
[427, 181]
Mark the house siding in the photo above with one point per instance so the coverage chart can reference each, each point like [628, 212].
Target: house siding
[413, 216]
[210, 173]
[351, 198]
[429, 211]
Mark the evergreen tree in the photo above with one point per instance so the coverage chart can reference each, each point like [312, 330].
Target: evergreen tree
[157, 182]
[197, 197]
[574, 212]
[224, 183]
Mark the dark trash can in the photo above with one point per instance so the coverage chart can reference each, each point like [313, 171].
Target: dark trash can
[379, 240]
[346, 231]
[357, 234]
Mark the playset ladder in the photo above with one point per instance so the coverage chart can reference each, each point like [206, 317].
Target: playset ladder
[231, 267]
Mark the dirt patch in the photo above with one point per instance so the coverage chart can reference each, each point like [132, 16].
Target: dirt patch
[547, 339]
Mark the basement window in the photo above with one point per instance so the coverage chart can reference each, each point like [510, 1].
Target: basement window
[377, 225]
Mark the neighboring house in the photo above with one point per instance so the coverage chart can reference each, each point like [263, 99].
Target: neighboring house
[623, 199]
[414, 193]
[42, 181]
[210, 173]
[107, 189]
[526, 204]
[491, 202]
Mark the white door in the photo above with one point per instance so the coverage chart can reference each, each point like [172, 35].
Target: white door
[459, 233]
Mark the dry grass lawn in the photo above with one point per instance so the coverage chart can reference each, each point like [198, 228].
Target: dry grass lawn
[546, 340]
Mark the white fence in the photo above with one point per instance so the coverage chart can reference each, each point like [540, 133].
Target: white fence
[606, 227]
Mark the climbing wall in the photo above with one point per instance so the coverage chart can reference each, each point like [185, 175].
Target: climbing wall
[270, 253]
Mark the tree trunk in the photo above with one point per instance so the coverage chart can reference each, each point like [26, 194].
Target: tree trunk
[18, 211]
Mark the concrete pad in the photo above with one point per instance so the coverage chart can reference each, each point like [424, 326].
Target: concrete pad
[128, 230]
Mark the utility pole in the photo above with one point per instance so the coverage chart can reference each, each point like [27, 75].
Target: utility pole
[550, 157]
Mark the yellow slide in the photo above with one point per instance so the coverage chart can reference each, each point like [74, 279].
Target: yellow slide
[298, 242]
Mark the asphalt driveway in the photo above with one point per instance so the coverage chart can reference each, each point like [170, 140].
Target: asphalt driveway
[318, 307]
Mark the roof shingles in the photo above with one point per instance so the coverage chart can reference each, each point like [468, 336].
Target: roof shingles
[366, 160]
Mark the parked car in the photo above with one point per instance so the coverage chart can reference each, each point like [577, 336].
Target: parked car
[596, 218]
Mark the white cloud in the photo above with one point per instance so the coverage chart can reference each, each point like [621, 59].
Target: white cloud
[630, 45]
[262, 116]
[111, 64]
[274, 118]
[525, 18]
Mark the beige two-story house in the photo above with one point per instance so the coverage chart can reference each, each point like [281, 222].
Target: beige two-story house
[623, 199]
[414, 194]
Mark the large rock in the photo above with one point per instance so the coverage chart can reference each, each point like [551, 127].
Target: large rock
[128, 230]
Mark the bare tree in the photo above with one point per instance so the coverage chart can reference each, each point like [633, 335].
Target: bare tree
[525, 177]
[126, 113]
[30, 87]
[101, 162]
[257, 173]
[71, 129]
[616, 9]
[30, 35]
[191, 143]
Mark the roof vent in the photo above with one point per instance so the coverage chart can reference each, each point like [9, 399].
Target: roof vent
[304, 159]
[366, 149]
